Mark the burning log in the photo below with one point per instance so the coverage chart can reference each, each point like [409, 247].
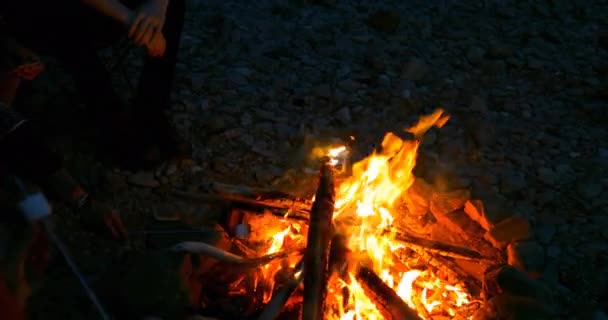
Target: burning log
[269, 197]
[443, 249]
[297, 209]
[447, 267]
[386, 299]
[421, 309]
[243, 248]
[316, 258]
[280, 297]
[339, 255]
[472, 284]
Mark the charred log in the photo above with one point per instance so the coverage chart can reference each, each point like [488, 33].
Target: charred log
[386, 299]
[281, 296]
[442, 248]
[296, 209]
[472, 284]
[248, 192]
[316, 258]
[338, 255]
[447, 267]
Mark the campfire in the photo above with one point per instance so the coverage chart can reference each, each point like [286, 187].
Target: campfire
[374, 242]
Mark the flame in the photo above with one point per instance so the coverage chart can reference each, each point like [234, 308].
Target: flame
[437, 119]
[358, 305]
[336, 155]
[269, 271]
[365, 212]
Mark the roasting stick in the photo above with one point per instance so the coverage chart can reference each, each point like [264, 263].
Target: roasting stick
[316, 258]
[36, 208]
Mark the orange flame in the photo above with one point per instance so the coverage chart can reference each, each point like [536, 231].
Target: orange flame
[278, 242]
[365, 213]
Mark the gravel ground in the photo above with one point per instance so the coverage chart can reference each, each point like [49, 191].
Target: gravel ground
[525, 82]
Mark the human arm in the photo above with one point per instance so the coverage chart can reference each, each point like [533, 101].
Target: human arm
[148, 21]
[144, 24]
[113, 9]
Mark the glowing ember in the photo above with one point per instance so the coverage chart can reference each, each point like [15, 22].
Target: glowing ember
[364, 214]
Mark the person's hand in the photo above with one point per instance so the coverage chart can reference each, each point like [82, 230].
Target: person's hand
[156, 47]
[148, 22]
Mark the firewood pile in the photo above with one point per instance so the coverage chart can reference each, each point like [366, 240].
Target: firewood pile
[467, 246]
[377, 243]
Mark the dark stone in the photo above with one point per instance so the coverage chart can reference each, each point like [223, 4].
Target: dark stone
[517, 283]
[384, 20]
[148, 283]
[545, 232]
[510, 307]
[513, 184]
[527, 256]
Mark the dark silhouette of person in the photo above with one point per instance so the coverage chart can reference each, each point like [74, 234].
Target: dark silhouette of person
[72, 31]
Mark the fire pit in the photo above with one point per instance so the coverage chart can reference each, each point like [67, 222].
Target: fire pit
[373, 243]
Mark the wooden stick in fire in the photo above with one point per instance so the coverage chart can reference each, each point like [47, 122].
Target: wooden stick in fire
[444, 249]
[386, 299]
[299, 209]
[247, 191]
[316, 257]
[273, 308]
